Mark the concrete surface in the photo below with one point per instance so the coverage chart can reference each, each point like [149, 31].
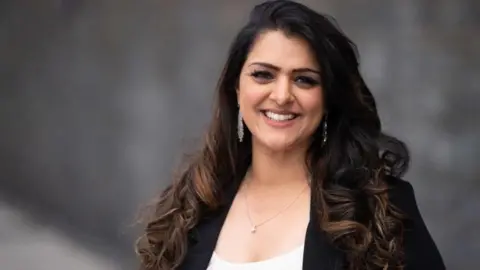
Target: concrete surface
[25, 245]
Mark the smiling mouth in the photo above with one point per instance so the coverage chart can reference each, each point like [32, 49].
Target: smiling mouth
[280, 117]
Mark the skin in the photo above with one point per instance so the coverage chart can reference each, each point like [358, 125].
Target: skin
[281, 75]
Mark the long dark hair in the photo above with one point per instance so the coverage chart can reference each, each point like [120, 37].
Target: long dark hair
[349, 185]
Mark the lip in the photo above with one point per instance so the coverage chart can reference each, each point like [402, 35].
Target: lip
[279, 111]
[279, 124]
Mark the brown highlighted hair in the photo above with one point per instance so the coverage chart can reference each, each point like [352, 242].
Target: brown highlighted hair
[348, 173]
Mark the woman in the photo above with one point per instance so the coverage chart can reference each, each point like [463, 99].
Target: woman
[295, 172]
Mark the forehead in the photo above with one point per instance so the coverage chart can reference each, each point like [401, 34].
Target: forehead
[289, 52]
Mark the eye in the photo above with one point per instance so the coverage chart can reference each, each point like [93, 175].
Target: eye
[262, 76]
[306, 81]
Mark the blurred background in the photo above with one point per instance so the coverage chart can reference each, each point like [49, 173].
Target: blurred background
[100, 98]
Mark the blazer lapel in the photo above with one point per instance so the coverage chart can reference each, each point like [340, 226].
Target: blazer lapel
[203, 238]
[202, 244]
[319, 253]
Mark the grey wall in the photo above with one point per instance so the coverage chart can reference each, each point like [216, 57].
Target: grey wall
[99, 98]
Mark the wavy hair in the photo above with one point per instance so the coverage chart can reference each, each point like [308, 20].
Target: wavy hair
[349, 174]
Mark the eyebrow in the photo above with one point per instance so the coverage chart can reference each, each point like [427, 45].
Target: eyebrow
[267, 65]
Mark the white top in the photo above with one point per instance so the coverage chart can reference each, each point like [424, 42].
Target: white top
[289, 261]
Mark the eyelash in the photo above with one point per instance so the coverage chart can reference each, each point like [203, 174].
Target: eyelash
[308, 80]
[261, 74]
[264, 76]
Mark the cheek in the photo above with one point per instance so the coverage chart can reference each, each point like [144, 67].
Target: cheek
[250, 93]
[313, 104]
[251, 99]
[314, 108]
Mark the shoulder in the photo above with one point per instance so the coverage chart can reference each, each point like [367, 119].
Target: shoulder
[402, 195]
[420, 249]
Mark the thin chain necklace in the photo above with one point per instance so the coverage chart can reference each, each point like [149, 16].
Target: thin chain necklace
[254, 226]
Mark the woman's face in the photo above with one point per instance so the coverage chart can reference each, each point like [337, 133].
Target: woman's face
[280, 93]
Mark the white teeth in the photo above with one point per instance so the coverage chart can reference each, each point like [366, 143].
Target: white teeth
[279, 117]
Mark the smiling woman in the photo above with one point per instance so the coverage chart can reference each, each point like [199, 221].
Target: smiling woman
[293, 114]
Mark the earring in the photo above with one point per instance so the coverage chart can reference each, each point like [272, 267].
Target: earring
[240, 126]
[325, 133]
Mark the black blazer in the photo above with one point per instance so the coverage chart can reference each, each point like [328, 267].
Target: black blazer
[420, 250]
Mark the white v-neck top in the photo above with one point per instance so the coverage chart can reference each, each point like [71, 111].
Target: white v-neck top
[292, 260]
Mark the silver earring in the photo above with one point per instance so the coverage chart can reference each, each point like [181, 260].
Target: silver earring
[325, 133]
[240, 127]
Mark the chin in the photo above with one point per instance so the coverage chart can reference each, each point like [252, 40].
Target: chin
[277, 145]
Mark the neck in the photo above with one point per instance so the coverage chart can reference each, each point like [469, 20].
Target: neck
[285, 168]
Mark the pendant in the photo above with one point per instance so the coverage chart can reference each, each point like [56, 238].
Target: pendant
[254, 229]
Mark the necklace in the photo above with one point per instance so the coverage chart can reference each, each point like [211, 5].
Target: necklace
[254, 226]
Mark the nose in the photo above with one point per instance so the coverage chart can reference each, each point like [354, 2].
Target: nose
[282, 91]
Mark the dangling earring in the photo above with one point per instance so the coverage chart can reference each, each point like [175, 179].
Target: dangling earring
[325, 133]
[240, 126]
